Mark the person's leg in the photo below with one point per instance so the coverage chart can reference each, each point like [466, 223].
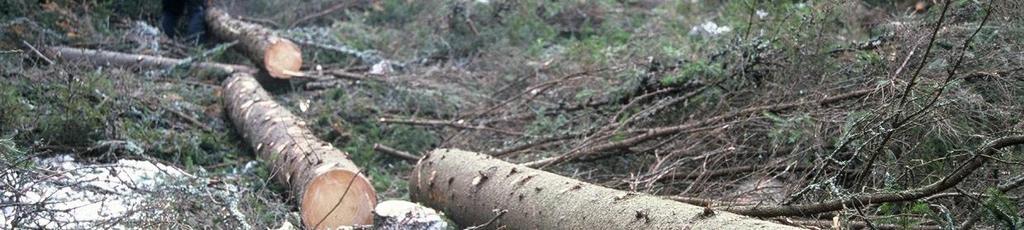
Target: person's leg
[171, 11]
[196, 23]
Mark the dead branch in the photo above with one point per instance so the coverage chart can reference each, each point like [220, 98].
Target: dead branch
[1003, 188]
[978, 159]
[454, 124]
[101, 57]
[899, 122]
[518, 148]
[852, 224]
[335, 7]
[738, 170]
[651, 133]
[408, 157]
[36, 51]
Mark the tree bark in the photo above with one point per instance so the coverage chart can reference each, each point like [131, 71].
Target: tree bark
[470, 186]
[100, 57]
[278, 56]
[331, 190]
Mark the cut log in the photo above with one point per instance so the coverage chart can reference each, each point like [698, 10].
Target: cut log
[404, 215]
[110, 58]
[278, 56]
[468, 187]
[330, 189]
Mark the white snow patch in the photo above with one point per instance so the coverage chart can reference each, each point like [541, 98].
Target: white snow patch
[709, 28]
[761, 14]
[382, 68]
[80, 195]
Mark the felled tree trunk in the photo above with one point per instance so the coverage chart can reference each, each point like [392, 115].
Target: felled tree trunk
[330, 189]
[280, 57]
[471, 188]
[100, 57]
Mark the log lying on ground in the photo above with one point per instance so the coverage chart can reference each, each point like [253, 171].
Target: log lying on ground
[100, 57]
[470, 186]
[330, 188]
[317, 173]
[280, 57]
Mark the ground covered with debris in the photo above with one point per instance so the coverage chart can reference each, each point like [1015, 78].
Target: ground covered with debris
[733, 105]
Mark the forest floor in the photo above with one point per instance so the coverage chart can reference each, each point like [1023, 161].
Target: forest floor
[744, 102]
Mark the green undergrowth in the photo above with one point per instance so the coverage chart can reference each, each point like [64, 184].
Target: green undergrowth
[103, 114]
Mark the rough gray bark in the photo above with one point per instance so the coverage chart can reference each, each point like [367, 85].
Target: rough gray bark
[468, 187]
[280, 57]
[100, 57]
[322, 177]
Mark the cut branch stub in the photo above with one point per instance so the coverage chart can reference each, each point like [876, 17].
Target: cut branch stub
[470, 186]
[278, 56]
[316, 172]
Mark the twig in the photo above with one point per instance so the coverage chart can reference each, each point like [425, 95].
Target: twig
[860, 200]
[40, 54]
[1003, 188]
[261, 21]
[498, 213]
[349, 75]
[459, 125]
[951, 73]
[188, 118]
[927, 51]
[513, 149]
[738, 170]
[408, 157]
[852, 224]
[651, 133]
[329, 10]
[538, 89]
[704, 202]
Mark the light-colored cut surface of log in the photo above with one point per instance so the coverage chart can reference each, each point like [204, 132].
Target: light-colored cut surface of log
[316, 172]
[468, 186]
[280, 57]
[404, 215]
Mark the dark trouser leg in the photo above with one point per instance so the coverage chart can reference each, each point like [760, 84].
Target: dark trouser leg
[170, 11]
[168, 21]
[196, 24]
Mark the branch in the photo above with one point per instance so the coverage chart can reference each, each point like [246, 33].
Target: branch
[453, 124]
[978, 159]
[36, 51]
[1003, 188]
[101, 57]
[951, 73]
[408, 157]
[853, 224]
[335, 7]
[738, 170]
[651, 133]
